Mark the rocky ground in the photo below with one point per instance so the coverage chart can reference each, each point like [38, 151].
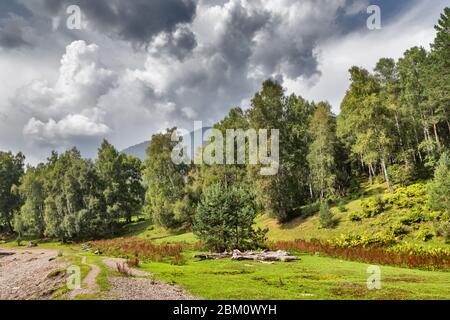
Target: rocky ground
[30, 274]
[36, 274]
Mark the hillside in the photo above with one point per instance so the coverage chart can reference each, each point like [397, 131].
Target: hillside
[138, 150]
[392, 221]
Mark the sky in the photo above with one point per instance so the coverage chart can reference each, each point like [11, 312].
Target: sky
[137, 67]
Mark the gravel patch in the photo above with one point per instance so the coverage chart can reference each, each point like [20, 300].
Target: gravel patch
[111, 263]
[30, 274]
[144, 289]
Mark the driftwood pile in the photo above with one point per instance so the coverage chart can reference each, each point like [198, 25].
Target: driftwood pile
[249, 255]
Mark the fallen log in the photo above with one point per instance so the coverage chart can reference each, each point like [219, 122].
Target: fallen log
[249, 255]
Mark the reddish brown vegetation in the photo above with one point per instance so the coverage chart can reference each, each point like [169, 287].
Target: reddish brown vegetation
[123, 269]
[139, 249]
[375, 255]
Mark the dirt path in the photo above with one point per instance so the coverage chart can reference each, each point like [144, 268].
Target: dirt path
[30, 274]
[35, 274]
[89, 285]
[139, 287]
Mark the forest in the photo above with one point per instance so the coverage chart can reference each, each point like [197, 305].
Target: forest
[393, 129]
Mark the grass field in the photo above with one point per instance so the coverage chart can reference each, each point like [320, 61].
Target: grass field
[312, 277]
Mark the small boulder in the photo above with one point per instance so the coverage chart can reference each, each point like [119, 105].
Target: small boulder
[32, 245]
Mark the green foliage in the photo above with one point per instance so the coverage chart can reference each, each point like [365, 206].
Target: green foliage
[121, 181]
[401, 174]
[11, 170]
[30, 220]
[373, 206]
[442, 229]
[354, 241]
[396, 230]
[310, 209]
[74, 207]
[425, 234]
[166, 182]
[413, 217]
[355, 216]
[439, 189]
[282, 193]
[225, 219]
[408, 197]
[342, 207]
[326, 217]
[321, 156]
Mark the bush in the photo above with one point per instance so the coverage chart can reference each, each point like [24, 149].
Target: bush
[342, 207]
[442, 229]
[225, 219]
[413, 217]
[425, 234]
[373, 206]
[354, 241]
[310, 209]
[326, 217]
[397, 230]
[401, 174]
[409, 197]
[355, 216]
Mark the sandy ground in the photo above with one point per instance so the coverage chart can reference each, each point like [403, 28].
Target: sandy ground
[29, 274]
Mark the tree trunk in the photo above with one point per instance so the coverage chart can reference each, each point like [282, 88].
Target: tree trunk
[397, 124]
[10, 227]
[386, 176]
[436, 134]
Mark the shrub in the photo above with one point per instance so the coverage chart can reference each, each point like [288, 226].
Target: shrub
[425, 234]
[373, 206]
[355, 216]
[225, 219]
[412, 256]
[133, 262]
[342, 207]
[442, 229]
[139, 248]
[413, 217]
[409, 197]
[353, 241]
[326, 216]
[310, 209]
[396, 230]
[401, 174]
[123, 269]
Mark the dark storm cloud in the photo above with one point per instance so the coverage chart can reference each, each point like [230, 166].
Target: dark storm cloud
[8, 7]
[201, 57]
[11, 36]
[137, 21]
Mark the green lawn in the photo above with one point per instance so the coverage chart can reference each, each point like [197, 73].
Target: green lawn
[312, 277]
